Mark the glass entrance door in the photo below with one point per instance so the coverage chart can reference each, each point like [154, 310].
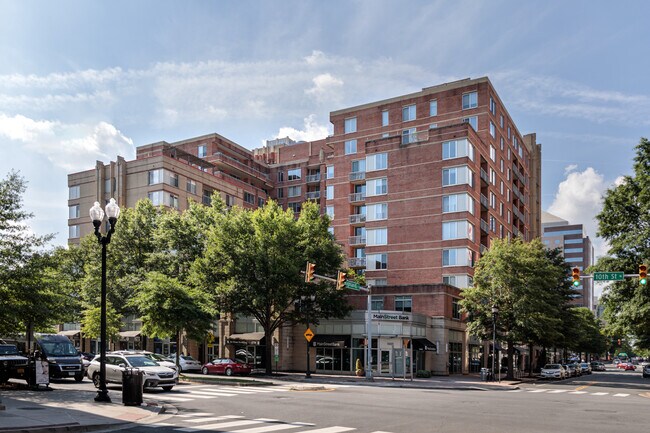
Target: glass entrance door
[385, 362]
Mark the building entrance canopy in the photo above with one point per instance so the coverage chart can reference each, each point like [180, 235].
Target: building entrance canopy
[424, 344]
[249, 338]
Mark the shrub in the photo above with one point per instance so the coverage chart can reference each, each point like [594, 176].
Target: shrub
[423, 373]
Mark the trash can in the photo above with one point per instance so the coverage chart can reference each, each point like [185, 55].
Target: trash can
[485, 374]
[132, 387]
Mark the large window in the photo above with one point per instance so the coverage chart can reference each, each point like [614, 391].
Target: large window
[408, 113]
[457, 230]
[359, 166]
[470, 100]
[191, 186]
[376, 211]
[457, 203]
[377, 303]
[460, 281]
[294, 174]
[249, 198]
[457, 176]
[376, 187]
[330, 172]
[295, 207]
[74, 192]
[73, 211]
[73, 232]
[409, 136]
[202, 151]
[293, 191]
[457, 257]
[384, 118]
[457, 149]
[377, 161]
[433, 108]
[473, 121]
[377, 236]
[350, 125]
[350, 147]
[329, 210]
[376, 261]
[156, 176]
[156, 197]
[403, 303]
[329, 192]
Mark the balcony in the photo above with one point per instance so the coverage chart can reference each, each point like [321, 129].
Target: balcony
[485, 177]
[518, 214]
[312, 195]
[313, 178]
[357, 262]
[357, 196]
[357, 240]
[357, 176]
[519, 195]
[229, 164]
[520, 176]
[415, 137]
[483, 249]
[358, 218]
[485, 227]
[484, 201]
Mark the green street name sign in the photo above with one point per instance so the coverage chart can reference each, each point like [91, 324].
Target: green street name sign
[352, 285]
[609, 276]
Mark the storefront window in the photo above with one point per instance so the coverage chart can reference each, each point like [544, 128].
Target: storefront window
[455, 358]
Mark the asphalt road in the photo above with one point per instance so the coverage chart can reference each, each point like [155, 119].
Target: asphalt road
[601, 402]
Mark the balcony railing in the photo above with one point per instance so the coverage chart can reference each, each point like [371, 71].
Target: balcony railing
[313, 178]
[484, 201]
[357, 262]
[517, 173]
[485, 177]
[519, 195]
[357, 196]
[483, 249]
[312, 195]
[357, 175]
[357, 240]
[415, 137]
[357, 218]
[233, 162]
[485, 226]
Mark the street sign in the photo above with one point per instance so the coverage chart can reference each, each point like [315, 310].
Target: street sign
[352, 285]
[609, 276]
[308, 335]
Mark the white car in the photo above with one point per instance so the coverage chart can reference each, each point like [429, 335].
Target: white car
[553, 371]
[156, 357]
[154, 374]
[187, 363]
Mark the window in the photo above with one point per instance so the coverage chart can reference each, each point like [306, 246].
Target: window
[376, 262]
[376, 236]
[433, 126]
[457, 257]
[293, 191]
[377, 282]
[501, 121]
[433, 108]
[330, 172]
[350, 147]
[155, 176]
[202, 151]
[403, 303]
[73, 211]
[455, 309]
[493, 176]
[509, 132]
[457, 203]
[460, 281]
[350, 125]
[573, 259]
[493, 106]
[473, 122]
[376, 212]
[73, 232]
[329, 192]
[280, 176]
[470, 100]
[280, 192]
[493, 130]
[457, 149]
[378, 161]
[173, 179]
[294, 174]
[457, 176]
[501, 143]
[408, 113]
[377, 303]
[107, 186]
[457, 230]
[230, 201]
[206, 198]
[249, 198]
[359, 166]
[295, 207]
[573, 241]
[501, 165]
[376, 187]
[74, 192]
[384, 118]
[156, 197]
[573, 250]
[493, 153]
[409, 136]
[173, 201]
[191, 186]
[329, 210]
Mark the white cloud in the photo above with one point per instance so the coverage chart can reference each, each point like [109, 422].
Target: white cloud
[569, 168]
[24, 129]
[326, 87]
[312, 131]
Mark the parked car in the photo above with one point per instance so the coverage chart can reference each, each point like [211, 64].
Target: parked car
[225, 366]
[585, 368]
[187, 363]
[553, 371]
[116, 362]
[12, 363]
[62, 356]
[597, 366]
[646, 370]
[156, 357]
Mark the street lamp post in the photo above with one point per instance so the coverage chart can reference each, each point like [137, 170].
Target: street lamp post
[97, 216]
[303, 301]
[495, 312]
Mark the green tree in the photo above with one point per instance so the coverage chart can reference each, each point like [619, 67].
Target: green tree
[253, 261]
[91, 320]
[589, 336]
[624, 223]
[519, 279]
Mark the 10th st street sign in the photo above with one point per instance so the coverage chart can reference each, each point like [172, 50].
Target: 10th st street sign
[609, 276]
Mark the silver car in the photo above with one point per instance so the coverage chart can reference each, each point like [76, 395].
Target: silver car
[154, 374]
[553, 371]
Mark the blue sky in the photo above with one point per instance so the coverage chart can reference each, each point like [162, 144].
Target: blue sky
[84, 81]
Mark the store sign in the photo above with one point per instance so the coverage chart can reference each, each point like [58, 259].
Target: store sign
[400, 317]
[238, 341]
[340, 343]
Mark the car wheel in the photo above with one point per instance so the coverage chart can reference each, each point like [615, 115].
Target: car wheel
[96, 380]
[79, 377]
[205, 370]
[167, 388]
[228, 371]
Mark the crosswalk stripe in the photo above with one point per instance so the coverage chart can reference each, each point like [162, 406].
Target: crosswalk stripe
[620, 395]
[538, 390]
[268, 428]
[219, 426]
[215, 418]
[578, 392]
[190, 415]
[235, 390]
[175, 398]
[599, 393]
[335, 429]
[262, 389]
[513, 390]
[558, 391]
[190, 394]
[213, 393]
[158, 424]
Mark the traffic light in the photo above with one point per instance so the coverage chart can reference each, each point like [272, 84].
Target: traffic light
[576, 276]
[643, 274]
[340, 280]
[309, 272]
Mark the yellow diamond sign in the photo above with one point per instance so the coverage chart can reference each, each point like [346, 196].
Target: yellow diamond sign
[308, 335]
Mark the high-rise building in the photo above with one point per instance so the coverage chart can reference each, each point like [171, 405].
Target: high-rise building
[577, 249]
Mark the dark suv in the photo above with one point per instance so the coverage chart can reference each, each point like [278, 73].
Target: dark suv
[646, 370]
[12, 363]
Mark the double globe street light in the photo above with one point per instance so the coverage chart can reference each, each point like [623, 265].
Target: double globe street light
[97, 216]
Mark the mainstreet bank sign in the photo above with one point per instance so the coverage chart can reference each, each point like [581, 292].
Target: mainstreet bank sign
[394, 317]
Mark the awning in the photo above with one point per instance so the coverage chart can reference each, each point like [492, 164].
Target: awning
[250, 338]
[129, 334]
[70, 333]
[424, 344]
[330, 341]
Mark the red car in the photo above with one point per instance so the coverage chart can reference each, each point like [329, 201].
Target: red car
[225, 366]
[626, 366]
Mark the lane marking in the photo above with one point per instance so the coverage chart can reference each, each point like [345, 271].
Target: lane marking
[215, 418]
[219, 426]
[580, 388]
[578, 392]
[176, 398]
[599, 393]
[212, 393]
[335, 429]
[620, 395]
[538, 390]
[190, 415]
[268, 428]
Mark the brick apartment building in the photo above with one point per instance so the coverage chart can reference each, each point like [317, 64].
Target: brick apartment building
[417, 186]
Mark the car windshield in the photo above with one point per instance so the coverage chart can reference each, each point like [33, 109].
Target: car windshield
[187, 357]
[8, 350]
[57, 348]
[158, 357]
[141, 361]
[552, 366]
